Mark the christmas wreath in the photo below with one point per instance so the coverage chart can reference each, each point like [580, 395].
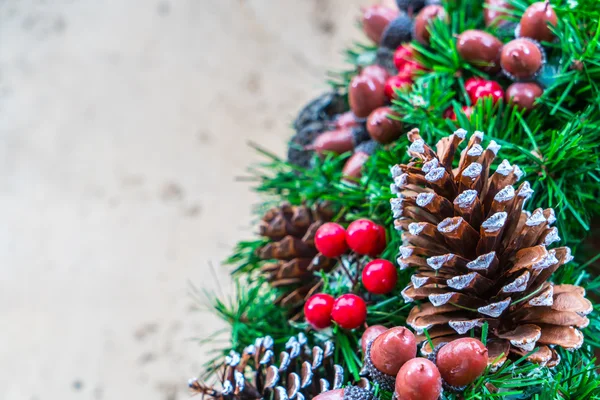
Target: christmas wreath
[428, 235]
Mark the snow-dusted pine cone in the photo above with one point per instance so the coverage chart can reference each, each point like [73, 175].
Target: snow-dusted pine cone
[478, 257]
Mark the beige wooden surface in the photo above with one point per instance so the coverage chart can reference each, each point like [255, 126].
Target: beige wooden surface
[123, 124]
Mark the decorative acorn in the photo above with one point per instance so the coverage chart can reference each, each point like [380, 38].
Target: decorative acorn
[383, 127]
[338, 141]
[462, 361]
[524, 94]
[370, 334]
[388, 353]
[480, 49]
[347, 393]
[536, 20]
[494, 12]
[365, 94]
[377, 72]
[375, 19]
[399, 31]
[352, 171]
[418, 379]
[423, 21]
[522, 59]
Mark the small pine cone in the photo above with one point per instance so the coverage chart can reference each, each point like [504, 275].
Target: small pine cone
[300, 372]
[478, 257]
[291, 252]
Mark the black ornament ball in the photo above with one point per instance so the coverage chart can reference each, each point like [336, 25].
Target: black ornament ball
[397, 32]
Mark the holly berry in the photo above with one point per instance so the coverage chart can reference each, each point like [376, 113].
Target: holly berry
[379, 276]
[396, 83]
[471, 84]
[462, 361]
[392, 349]
[403, 54]
[365, 237]
[349, 311]
[450, 114]
[418, 379]
[410, 70]
[484, 88]
[317, 310]
[330, 240]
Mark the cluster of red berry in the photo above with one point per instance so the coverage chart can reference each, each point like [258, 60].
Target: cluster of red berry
[379, 276]
[408, 69]
[393, 354]
[477, 89]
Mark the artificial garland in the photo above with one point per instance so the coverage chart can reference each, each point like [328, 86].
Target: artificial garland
[484, 299]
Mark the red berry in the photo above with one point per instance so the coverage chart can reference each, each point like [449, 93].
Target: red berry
[403, 54]
[330, 239]
[462, 361]
[317, 310]
[418, 379]
[379, 276]
[397, 82]
[349, 311]
[410, 70]
[471, 84]
[366, 237]
[485, 89]
[392, 349]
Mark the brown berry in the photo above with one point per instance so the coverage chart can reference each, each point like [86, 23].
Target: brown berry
[392, 349]
[375, 19]
[462, 361]
[337, 394]
[523, 94]
[521, 58]
[371, 334]
[480, 49]
[494, 12]
[418, 379]
[382, 128]
[352, 170]
[365, 94]
[338, 141]
[376, 72]
[423, 22]
[536, 20]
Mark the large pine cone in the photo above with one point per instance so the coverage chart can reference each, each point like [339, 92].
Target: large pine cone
[478, 256]
[299, 373]
[292, 230]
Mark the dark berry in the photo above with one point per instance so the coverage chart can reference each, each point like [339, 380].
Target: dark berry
[379, 276]
[392, 349]
[410, 6]
[399, 31]
[418, 379]
[462, 361]
[349, 311]
[317, 310]
[330, 240]
[365, 237]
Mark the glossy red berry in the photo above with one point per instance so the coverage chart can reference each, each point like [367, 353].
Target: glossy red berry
[349, 311]
[484, 89]
[379, 276]
[317, 310]
[418, 379]
[330, 240]
[397, 82]
[462, 361]
[365, 237]
[471, 84]
[411, 70]
[403, 55]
